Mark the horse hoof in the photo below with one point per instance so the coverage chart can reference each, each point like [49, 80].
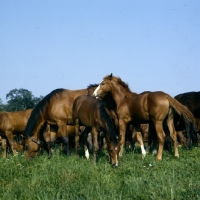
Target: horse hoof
[159, 159]
[143, 156]
[177, 156]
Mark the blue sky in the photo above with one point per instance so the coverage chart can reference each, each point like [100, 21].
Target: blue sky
[151, 45]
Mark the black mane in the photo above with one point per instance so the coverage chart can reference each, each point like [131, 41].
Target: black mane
[108, 121]
[92, 86]
[38, 110]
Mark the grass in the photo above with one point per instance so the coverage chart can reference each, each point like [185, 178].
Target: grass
[74, 177]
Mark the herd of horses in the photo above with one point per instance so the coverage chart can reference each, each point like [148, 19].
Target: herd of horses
[109, 108]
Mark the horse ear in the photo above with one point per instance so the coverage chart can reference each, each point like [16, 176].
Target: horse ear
[110, 76]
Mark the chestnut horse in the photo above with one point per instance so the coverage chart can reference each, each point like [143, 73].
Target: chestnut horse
[12, 124]
[93, 114]
[55, 109]
[135, 109]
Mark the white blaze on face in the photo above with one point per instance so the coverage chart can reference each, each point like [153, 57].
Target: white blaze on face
[96, 90]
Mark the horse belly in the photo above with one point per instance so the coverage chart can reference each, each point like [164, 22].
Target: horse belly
[140, 117]
[139, 110]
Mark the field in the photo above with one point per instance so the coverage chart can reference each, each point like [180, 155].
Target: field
[72, 177]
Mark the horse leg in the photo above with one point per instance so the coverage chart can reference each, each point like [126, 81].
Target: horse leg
[9, 135]
[194, 129]
[89, 141]
[122, 126]
[4, 147]
[152, 139]
[161, 138]
[85, 137]
[47, 138]
[62, 130]
[95, 144]
[181, 137]
[76, 139]
[188, 136]
[170, 124]
[140, 141]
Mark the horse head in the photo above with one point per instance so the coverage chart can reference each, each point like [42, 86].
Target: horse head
[103, 88]
[113, 152]
[32, 147]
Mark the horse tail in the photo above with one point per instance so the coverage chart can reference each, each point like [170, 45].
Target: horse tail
[182, 110]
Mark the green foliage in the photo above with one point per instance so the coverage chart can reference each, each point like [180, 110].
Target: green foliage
[74, 177]
[21, 99]
[2, 106]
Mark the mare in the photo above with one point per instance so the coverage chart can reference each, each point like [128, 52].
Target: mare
[12, 124]
[93, 114]
[133, 108]
[55, 109]
[192, 101]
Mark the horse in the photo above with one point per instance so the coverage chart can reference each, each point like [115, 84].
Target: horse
[133, 108]
[192, 101]
[93, 114]
[55, 109]
[12, 124]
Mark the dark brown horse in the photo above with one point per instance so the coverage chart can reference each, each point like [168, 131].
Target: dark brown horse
[93, 114]
[55, 108]
[12, 124]
[192, 101]
[135, 109]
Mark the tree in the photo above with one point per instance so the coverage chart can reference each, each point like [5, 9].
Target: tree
[2, 106]
[21, 99]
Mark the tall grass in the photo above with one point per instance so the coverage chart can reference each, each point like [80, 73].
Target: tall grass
[72, 177]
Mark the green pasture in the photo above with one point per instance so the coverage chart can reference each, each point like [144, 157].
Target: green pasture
[72, 177]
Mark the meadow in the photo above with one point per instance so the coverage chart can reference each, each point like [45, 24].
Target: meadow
[62, 177]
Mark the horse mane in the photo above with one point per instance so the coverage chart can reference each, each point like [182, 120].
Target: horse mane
[119, 81]
[108, 122]
[92, 85]
[38, 110]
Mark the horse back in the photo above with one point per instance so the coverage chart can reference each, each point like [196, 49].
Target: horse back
[14, 121]
[133, 108]
[191, 100]
[140, 107]
[60, 105]
[84, 108]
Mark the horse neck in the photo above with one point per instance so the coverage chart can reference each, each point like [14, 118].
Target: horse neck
[119, 93]
[37, 130]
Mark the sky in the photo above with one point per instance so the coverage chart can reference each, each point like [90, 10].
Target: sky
[152, 45]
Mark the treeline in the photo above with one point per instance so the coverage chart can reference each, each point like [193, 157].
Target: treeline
[19, 99]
